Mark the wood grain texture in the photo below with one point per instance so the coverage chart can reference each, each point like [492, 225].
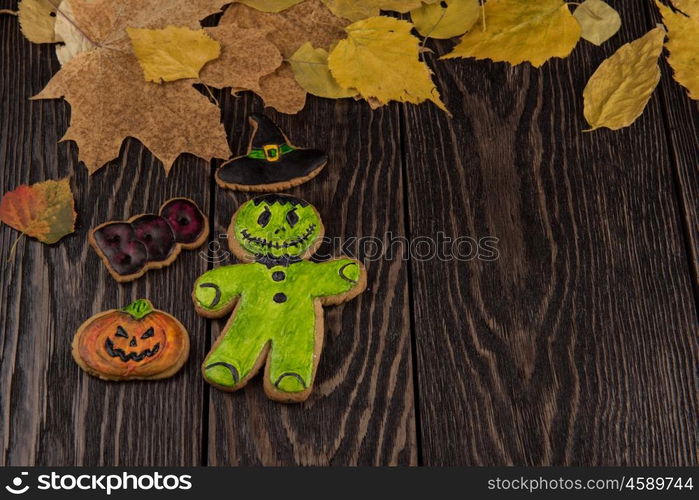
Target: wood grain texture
[682, 125]
[52, 412]
[361, 411]
[578, 345]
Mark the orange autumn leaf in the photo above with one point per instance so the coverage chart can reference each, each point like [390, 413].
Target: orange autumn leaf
[44, 211]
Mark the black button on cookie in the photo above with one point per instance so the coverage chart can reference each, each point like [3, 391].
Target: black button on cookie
[278, 276]
[279, 298]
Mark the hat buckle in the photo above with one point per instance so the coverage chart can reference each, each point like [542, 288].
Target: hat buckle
[272, 152]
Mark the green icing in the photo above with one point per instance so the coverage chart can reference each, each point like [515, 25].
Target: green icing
[277, 229]
[271, 154]
[290, 326]
[276, 306]
[139, 309]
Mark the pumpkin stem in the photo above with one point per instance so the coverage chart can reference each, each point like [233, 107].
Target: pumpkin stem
[139, 308]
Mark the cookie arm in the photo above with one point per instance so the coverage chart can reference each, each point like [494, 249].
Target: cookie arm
[216, 291]
[339, 277]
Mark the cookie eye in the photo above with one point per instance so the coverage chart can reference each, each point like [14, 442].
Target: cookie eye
[148, 334]
[292, 218]
[264, 217]
[121, 333]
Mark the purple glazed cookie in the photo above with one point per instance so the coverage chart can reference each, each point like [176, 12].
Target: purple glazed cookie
[156, 234]
[149, 241]
[185, 219]
[118, 242]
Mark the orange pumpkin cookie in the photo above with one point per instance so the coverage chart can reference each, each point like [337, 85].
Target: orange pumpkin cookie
[137, 342]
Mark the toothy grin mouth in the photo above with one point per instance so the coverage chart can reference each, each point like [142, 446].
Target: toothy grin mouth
[286, 244]
[116, 352]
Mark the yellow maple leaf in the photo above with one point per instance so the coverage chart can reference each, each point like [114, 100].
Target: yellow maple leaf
[270, 5]
[689, 7]
[619, 90]
[683, 45]
[36, 20]
[172, 53]
[313, 74]
[446, 19]
[599, 21]
[522, 30]
[380, 58]
[356, 10]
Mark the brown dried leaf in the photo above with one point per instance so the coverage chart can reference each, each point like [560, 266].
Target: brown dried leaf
[74, 42]
[281, 91]
[287, 30]
[109, 98]
[111, 101]
[246, 56]
[105, 21]
[310, 21]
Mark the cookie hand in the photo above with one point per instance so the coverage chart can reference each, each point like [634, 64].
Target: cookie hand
[350, 271]
[216, 291]
[337, 277]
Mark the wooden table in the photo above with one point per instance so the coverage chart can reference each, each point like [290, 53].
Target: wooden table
[577, 345]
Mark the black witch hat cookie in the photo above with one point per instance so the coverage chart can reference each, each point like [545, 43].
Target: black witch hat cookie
[272, 163]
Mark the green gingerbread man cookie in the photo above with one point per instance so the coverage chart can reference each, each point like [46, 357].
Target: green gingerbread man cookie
[277, 297]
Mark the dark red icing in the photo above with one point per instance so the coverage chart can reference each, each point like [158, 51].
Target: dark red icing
[185, 219]
[129, 247]
[156, 234]
[118, 242]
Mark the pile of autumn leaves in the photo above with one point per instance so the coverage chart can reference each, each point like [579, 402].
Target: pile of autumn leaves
[129, 66]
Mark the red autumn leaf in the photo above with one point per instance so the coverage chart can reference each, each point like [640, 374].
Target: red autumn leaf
[44, 211]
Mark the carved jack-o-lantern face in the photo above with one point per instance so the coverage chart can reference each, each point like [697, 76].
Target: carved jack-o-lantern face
[126, 346]
[132, 343]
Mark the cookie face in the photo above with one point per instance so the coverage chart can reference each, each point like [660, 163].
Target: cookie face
[149, 241]
[277, 226]
[136, 342]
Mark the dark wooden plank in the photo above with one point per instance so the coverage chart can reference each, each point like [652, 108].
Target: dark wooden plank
[578, 344]
[682, 124]
[52, 412]
[361, 411]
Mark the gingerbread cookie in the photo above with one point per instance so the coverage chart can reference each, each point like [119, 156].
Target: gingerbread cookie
[272, 163]
[137, 342]
[277, 297]
[149, 241]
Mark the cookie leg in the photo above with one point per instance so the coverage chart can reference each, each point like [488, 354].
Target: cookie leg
[235, 358]
[291, 365]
